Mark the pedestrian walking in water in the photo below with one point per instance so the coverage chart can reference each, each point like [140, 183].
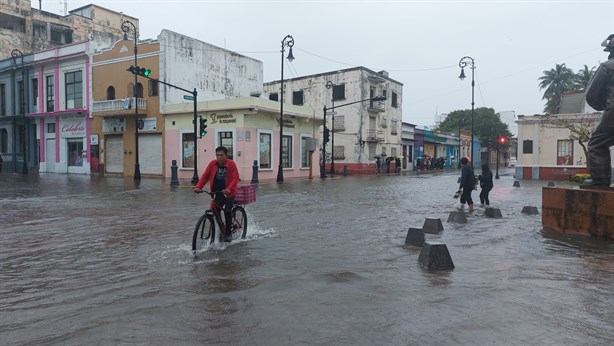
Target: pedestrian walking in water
[378, 164]
[467, 184]
[486, 184]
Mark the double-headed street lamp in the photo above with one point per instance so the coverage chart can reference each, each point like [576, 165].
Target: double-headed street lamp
[288, 41]
[16, 53]
[467, 60]
[128, 26]
[325, 131]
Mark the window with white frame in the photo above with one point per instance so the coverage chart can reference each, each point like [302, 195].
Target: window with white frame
[564, 152]
[74, 90]
[305, 151]
[264, 150]
[286, 151]
[187, 150]
[225, 139]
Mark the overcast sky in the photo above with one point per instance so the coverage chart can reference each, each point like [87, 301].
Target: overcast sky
[418, 42]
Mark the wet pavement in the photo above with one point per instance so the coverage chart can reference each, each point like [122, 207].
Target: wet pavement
[86, 260]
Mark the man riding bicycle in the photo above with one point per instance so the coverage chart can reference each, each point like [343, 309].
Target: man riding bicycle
[223, 176]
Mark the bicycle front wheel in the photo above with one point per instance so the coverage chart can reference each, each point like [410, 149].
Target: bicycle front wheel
[204, 232]
[239, 221]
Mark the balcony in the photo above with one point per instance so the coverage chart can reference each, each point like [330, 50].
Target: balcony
[376, 106]
[375, 135]
[125, 105]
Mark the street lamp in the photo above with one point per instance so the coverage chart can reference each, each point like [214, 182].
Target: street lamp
[330, 85]
[128, 26]
[288, 41]
[462, 63]
[16, 53]
[323, 166]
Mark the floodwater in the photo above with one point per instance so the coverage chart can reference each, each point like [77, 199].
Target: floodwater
[86, 260]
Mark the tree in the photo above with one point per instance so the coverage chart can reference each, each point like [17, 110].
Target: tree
[487, 125]
[555, 81]
[583, 76]
[580, 128]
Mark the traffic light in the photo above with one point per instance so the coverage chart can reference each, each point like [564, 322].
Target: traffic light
[326, 135]
[203, 127]
[139, 71]
[502, 140]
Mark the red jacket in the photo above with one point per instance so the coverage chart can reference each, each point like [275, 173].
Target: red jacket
[232, 176]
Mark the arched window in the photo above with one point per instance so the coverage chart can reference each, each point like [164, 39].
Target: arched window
[139, 90]
[130, 91]
[111, 93]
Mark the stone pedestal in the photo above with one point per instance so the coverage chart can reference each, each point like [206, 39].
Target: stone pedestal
[432, 226]
[516, 183]
[494, 213]
[435, 256]
[457, 217]
[415, 237]
[530, 210]
[579, 211]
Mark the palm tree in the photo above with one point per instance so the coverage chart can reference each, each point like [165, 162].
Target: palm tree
[555, 81]
[583, 77]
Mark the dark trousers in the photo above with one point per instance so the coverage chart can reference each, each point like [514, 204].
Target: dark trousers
[599, 153]
[466, 196]
[484, 195]
[227, 204]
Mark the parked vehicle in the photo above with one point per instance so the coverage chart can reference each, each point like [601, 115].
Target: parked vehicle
[513, 162]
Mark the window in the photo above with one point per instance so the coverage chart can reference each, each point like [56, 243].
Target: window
[338, 92]
[339, 123]
[2, 99]
[187, 150]
[225, 140]
[286, 148]
[305, 151]
[527, 146]
[384, 151]
[274, 97]
[35, 93]
[393, 127]
[564, 152]
[297, 98]
[22, 98]
[394, 100]
[339, 152]
[139, 90]
[111, 93]
[4, 140]
[75, 152]
[50, 91]
[74, 90]
[393, 152]
[264, 146]
[39, 31]
[51, 128]
[153, 88]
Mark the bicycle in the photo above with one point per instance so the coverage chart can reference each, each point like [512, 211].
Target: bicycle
[204, 232]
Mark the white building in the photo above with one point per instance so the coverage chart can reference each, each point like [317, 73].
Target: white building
[360, 131]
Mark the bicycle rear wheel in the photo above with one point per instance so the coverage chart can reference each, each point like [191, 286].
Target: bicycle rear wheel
[239, 221]
[204, 232]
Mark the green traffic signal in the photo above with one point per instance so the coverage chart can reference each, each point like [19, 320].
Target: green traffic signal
[203, 127]
[145, 72]
[141, 71]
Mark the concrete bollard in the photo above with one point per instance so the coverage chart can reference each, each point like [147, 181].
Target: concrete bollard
[457, 217]
[255, 172]
[435, 256]
[415, 237]
[174, 177]
[530, 210]
[345, 170]
[551, 183]
[516, 183]
[494, 213]
[432, 226]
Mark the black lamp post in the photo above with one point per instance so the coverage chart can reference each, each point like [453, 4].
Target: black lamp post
[499, 140]
[288, 41]
[323, 166]
[128, 26]
[330, 85]
[16, 53]
[462, 63]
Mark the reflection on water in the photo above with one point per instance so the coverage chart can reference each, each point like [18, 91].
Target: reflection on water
[324, 262]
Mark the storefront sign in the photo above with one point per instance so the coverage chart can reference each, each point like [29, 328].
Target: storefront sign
[222, 118]
[147, 124]
[287, 123]
[72, 128]
[94, 139]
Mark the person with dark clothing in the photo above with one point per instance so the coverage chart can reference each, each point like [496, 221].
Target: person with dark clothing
[223, 177]
[600, 96]
[486, 184]
[388, 159]
[378, 164]
[397, 165]
[467, 184]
